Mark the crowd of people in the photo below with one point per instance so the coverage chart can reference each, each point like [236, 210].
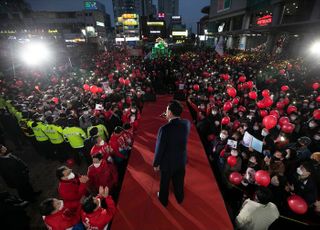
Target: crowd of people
[259, 121]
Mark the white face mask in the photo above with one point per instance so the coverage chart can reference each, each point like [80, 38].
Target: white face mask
[85, 112]
[222, 136]
[71, 176]
[312, 125]
[264, 133]
[234, 153]
[316, 137]
[132, 119]
[101, 143]
[61, 205]
[96, 165]
[214, 112]
[255, 127]
[299, 171]
[217, 123]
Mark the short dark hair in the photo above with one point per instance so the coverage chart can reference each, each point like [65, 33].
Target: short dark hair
[118, 129]
[175, 107]
[308, 166]
[127, 126]
[93, 131]
[59, 171]
[264, 195]
[88, 205]
[46, 207]
[99, 156]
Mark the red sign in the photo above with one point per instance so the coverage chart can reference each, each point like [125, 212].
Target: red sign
[265, 20]
[161, 15]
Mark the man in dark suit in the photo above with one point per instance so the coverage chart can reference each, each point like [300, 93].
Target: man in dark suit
[171, 153]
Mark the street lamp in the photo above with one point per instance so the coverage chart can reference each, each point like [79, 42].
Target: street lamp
[35, 53]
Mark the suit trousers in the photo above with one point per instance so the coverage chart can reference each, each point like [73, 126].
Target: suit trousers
[177, 178]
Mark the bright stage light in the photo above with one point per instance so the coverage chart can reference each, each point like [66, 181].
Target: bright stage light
[315, 48]
[35, 53]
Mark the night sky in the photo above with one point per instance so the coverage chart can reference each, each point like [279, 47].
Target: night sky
[190, 10]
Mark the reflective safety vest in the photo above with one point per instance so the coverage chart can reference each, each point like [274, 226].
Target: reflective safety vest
[54, 133]
[102, 131]
[38, 132]
[26, 127]
[75, 136]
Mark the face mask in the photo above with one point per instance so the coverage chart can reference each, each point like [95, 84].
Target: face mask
[234, 153]
[311, 106]
[245, 127]
[214, 112]
[235, 111]
[85, 112]
[222, 136]
[240, 114]
[96, 165]
[293, 118]
[216, 123]
[202, 107]
[71, 176]
[133, 110]
[312, 125]
[264, 133]
[101, 143]
[61, 205]
[316, 137]
[255, 127]
[132, 119]
[299, 171]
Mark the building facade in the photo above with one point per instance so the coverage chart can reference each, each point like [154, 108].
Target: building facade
[169, 8]
[246, 24]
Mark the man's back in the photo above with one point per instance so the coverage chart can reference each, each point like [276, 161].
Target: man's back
[171, 148]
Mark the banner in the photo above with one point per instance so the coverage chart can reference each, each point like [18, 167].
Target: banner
[219, 46]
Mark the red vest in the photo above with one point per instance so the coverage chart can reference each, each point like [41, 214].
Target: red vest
[62, 220]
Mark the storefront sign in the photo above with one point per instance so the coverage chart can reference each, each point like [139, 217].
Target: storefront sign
[265, 20]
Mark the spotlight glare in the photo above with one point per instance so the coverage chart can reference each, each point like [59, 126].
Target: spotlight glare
[35, 53]
[315, 48]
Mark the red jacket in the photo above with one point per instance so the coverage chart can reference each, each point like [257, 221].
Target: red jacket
[128, 137]
[63, 219]
[98, 219]
[117, 142]
[105, 175]
[71, 191]
[100, 149]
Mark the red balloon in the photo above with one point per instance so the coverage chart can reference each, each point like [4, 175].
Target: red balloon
[196, 87]
[240, 86]
[235, 100]
[282, 72]
[210, 89]
[100, 90]
[315, 85]
[206, 74]
[232, 92]
[253, 95]
[280, 105]
[121, 80]
[287, 127]
[265, 93]
[261, 104]
[263, 113]
[55, 100]
[250, 84]
[269, 121]
[86, 87]
[127, 82]
[284, 88]
[275, 113]
[318, 99]
[291, 109]
[93, 89]
[267, 101]
[286, 101]
[283, 120]
[226, 77]
[235, 178]
[262, 178]
[225, 120]
[232, 161]
[316, 114]
[242, 78]
[70, 163]
[297, 204]
[227, 106]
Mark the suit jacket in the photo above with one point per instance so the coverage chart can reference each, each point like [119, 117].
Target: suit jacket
[171, 146]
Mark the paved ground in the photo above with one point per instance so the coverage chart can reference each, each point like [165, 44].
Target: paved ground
[42, 174]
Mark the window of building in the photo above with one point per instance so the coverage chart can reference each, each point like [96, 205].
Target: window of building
[223, 5]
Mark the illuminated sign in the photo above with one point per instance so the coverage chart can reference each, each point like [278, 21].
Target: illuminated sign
[52, 31]
[176, 17]
[155, 23]
[180, 33]
[100, 24]
[129, 16]
[130, 22]
[127, 39]
[161, 15]
[155, 31]
[120, 19]
[75, 40]
[90, 5]
[265, 20]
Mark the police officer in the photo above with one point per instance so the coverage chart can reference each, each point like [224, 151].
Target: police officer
[102, 130]
[75, 136]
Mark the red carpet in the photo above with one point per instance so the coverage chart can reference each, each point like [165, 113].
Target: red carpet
[139, 208]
